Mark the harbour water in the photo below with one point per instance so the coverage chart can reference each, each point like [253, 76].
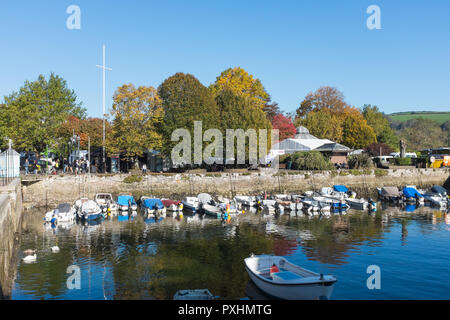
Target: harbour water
[137, 258]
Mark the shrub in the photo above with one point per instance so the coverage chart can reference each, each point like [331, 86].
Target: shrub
[344, 173]
[402, 161]
[356, 172]
[381, 173]
[132, 179]
[312, 160]
[359, 161]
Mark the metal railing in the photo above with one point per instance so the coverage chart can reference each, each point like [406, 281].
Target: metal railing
[7, 168]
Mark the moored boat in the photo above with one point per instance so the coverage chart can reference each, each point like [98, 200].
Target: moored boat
[126, 202]
[211, 210]
[63, 213]
[152, 206]
[291, 282]
[191, 204]
[172, 205]
[90, 210]
[410, 194]
[360, 204]
[105, 201]
[389, 194]
[246, 201]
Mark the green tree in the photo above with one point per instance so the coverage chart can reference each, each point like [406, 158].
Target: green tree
[243, 83]
[323, 124]
[31, 116]
[238, 112]
[380, 124]
[445, 128]
[137, 115]
[185, 100]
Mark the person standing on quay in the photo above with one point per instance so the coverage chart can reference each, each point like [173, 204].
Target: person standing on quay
[144, 168]
[27, 164]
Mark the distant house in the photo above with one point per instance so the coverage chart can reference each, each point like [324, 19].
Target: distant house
[304, 141]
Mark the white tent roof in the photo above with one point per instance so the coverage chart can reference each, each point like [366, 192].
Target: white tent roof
[300, 144]
[303, 141]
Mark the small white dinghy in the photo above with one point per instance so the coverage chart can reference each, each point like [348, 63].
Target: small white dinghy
[197, 294]
[292, 282]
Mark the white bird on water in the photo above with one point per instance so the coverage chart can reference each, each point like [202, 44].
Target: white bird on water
[30, 259]
[55, 249]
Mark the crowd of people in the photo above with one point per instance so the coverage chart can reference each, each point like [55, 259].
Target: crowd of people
[55, 166]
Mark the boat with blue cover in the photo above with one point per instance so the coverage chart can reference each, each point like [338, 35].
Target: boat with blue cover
[412, 195]
[152, 206]
[126, 202]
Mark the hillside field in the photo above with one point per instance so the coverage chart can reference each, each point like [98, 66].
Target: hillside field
[439, 117]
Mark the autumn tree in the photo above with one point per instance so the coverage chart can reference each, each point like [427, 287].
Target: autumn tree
[357, 134]
[87, 129]
[185, 100]
[32, 116]
[325, 98]
[137, 115]
[326, 115]
[284, 125]
[244, 84]
[379, 149]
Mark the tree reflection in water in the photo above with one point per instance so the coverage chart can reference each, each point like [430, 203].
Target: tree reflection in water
[153, 258]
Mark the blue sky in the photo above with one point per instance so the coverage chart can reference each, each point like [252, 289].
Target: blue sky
[293, 47]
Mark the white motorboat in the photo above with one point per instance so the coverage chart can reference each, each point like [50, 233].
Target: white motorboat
[292, 282]
[313, 206]
[245, 201]
[436, 200]
[90, 210]
[438, 197]
[105, 200]
[360, 204]
[212, 210]
[63, 213]
[191, 204]
[333, 203]
[77, 206]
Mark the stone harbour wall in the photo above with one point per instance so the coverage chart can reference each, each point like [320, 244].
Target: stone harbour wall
[10, 225]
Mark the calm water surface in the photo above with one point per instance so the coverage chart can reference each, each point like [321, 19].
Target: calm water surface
[151, 259]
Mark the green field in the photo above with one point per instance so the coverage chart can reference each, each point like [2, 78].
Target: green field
[439, 117]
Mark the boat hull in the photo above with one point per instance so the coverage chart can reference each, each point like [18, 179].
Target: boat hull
[293, 291]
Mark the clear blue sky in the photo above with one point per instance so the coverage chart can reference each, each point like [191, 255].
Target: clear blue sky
[294, 47]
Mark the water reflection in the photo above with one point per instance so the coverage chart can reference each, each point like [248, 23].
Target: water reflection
[140, 257]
